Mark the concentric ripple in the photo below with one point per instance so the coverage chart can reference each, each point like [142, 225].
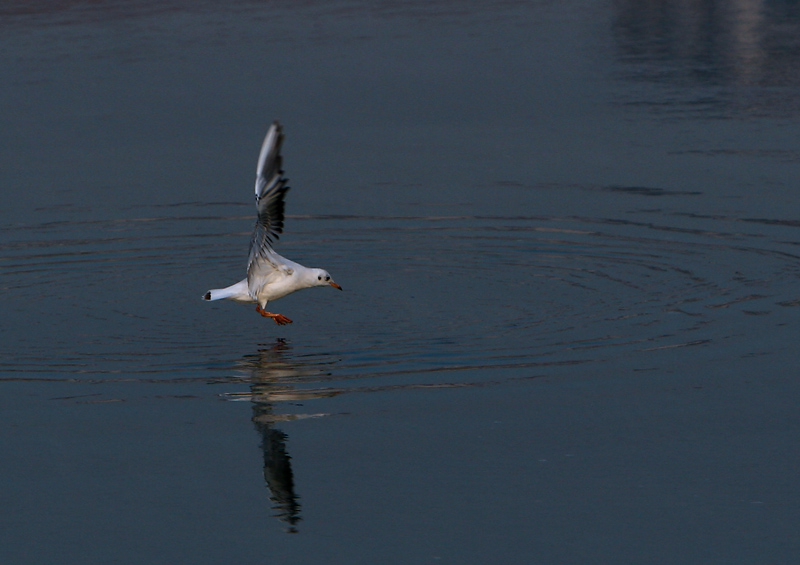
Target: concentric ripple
[429, 301]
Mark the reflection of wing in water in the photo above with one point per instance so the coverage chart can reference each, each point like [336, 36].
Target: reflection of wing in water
[271, 375]
[278, 473]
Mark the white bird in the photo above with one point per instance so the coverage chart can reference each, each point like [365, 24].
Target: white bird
[270, 276]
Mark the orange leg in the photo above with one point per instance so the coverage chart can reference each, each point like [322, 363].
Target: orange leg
[280, 319]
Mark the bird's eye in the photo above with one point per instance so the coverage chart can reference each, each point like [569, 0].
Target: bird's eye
[327, 278]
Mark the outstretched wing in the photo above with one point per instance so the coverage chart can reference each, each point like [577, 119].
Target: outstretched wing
[270, 191]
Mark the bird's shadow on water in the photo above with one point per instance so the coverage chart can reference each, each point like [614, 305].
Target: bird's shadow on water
[273, 373]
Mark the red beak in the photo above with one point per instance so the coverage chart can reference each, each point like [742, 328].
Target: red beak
[334, 285]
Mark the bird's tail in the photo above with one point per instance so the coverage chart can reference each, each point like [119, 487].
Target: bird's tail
[238, 291]
[216, 294]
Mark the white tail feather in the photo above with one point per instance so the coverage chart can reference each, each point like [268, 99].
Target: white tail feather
[238, 291]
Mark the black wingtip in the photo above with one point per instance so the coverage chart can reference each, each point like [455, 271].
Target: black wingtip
[207, 296]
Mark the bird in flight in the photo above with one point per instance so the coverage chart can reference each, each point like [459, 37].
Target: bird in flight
[270, 276]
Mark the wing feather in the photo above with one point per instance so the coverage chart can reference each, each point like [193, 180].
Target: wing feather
[271, 190]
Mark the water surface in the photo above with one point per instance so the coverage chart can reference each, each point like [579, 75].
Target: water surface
[568, 242]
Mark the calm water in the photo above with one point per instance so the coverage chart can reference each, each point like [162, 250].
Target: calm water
[568, 237]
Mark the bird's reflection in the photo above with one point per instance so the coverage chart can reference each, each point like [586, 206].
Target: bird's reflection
[273, 373]
[278, 474]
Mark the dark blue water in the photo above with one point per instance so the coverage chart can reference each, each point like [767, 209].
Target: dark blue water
[568, 238]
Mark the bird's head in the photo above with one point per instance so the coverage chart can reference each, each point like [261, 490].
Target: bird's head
[323, 278]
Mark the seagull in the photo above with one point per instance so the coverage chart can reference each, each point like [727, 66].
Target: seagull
[270, 276]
